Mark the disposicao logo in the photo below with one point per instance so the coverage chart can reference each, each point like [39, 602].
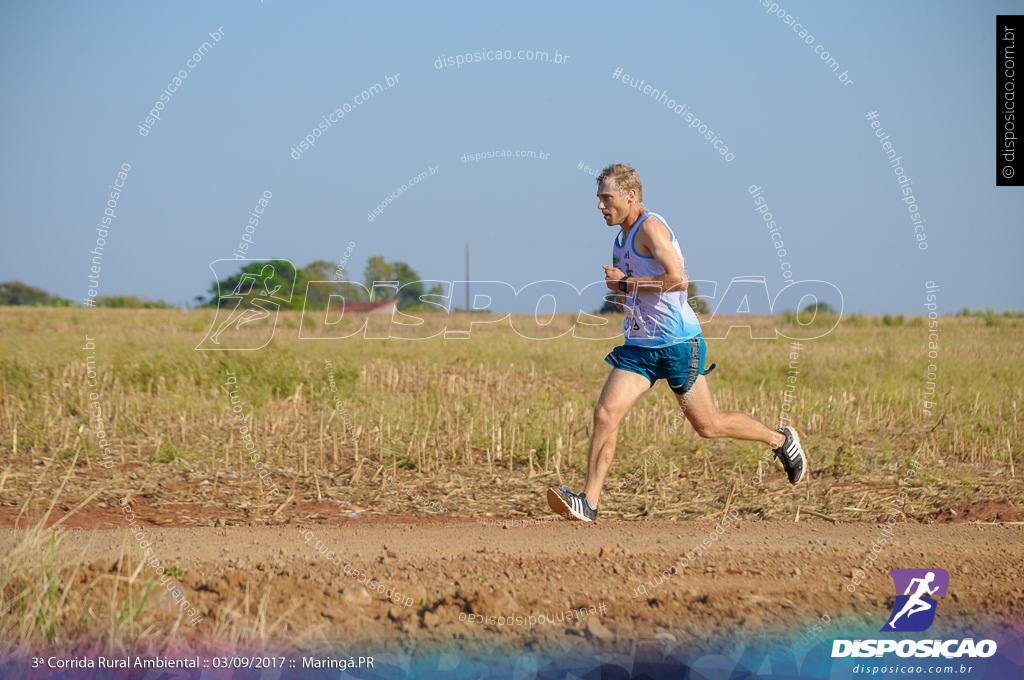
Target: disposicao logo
[914, 611]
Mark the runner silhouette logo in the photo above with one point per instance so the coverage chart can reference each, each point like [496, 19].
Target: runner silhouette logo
[914, 609]
[248, 301]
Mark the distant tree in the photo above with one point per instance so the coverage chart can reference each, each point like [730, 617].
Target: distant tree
[698, 305]
[819, 307]
[408, 295]
[989, 313]
[379, 269]
[18, 293]
[318, 297]
[318, 270]
[129, 302]
[284, 274]
[419, 306]
[608, 307]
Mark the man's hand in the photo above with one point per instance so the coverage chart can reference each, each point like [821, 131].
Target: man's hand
[612, 276]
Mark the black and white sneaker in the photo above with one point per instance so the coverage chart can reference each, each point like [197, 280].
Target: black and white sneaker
[571, 506]
[791, 455]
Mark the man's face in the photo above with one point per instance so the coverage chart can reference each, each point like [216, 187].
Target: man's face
[613, 204]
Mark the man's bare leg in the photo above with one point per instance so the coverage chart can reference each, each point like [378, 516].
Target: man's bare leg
[711, 423]
[621, 391]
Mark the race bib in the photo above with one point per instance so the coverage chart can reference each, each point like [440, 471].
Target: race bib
[633, 325]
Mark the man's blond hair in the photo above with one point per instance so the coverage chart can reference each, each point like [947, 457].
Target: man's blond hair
[626, 178]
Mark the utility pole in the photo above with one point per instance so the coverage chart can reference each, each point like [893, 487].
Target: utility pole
[467, 276]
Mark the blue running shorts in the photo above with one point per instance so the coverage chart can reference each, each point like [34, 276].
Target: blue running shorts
[680, 364]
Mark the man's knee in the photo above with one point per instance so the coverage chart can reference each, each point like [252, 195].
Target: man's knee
[605, 418]
[707, 429]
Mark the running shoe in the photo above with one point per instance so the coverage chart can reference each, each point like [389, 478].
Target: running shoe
[791, 455]
[571, 506]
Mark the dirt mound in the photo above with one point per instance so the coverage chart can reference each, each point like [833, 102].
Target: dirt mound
[979, 511]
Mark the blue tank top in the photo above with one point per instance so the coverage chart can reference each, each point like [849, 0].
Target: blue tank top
[653, 318]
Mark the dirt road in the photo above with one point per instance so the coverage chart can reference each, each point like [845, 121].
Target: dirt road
[756, 579]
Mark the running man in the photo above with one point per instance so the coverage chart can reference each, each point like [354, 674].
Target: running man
[663, 340]
[915, 604]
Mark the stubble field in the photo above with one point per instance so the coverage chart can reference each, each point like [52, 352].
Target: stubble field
[392, 454]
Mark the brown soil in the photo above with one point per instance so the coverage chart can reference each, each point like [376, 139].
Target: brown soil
[759, 578]
[980, 511]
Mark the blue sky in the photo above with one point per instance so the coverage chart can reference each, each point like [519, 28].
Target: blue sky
[79, 78]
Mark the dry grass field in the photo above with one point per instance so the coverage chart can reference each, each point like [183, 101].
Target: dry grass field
[457, 428]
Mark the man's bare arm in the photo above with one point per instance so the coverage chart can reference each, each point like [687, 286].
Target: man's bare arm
[655, 237]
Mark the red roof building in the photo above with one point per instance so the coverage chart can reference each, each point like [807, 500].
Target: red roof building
[383, 307]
